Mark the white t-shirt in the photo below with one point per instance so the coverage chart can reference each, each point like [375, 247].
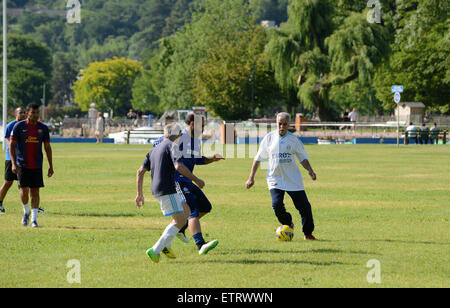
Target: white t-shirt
[281, 153]
[352, 115]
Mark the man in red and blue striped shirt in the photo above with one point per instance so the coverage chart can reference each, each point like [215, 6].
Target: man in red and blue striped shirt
[26, 157]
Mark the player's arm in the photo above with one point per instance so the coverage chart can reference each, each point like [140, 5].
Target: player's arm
[12, 153]
[251, 178]
[140, 183]
[305, 163]
[212, 159]
[49, 153]
[187, 173]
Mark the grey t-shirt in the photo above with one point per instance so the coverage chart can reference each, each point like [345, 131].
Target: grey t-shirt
[160, 161]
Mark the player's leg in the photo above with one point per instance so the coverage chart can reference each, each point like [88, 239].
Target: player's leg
[3, 191]
[36, 181]
[10, 177]
[35, 200]
[182, 234]
[303, 206]
[24, 197]
[204, 207]
[173, 206]
[282, 215]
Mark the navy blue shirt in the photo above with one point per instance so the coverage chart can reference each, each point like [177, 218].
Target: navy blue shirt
[29, 140]
[191, 153]
[161, 162]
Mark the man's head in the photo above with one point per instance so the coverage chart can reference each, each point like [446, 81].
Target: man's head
[196, 124]
[21, 114]
[283, 119]
[172, 131]
[33, 112]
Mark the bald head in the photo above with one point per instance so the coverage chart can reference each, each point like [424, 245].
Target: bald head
[21, 114]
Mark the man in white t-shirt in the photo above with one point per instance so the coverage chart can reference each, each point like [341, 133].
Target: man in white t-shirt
[281, 149]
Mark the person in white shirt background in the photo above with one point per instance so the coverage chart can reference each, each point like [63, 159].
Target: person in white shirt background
[281, 148]
[353, 115]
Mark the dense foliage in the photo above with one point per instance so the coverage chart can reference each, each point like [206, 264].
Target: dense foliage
[324, 57]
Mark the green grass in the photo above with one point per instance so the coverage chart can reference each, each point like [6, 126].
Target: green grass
[369, 202]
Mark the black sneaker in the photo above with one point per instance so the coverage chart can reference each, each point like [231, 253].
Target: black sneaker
[41, 211]
[2, 209]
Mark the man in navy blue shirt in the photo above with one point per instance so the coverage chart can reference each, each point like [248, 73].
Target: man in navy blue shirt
[163, 162]
[191, 155]
[10, 177]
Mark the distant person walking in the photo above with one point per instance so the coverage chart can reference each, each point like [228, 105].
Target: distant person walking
[99, 128]
[353, 117]
[27, 160]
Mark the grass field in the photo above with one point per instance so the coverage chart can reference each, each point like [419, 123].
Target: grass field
[369, 202]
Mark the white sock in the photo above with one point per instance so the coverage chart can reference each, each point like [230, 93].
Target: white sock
[166, 238]
[34, 214]
[26, 209]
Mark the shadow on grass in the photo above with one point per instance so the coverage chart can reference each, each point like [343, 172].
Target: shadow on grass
[398, 241]
[277, 251]
[111, 215]
[293, 262]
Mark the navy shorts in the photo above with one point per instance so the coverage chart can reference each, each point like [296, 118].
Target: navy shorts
[194, 197]
[31, 178]
[9, 175]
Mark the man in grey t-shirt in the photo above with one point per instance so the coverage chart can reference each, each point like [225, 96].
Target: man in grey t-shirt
[163, 161]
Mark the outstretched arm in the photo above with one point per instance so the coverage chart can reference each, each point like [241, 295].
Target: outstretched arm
[213, 159]
[251, 179]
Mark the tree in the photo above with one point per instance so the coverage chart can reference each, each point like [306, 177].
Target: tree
[65, 72]
[29, 68]
[147, 86]
[108, 84]
[420, 59]
[223, 82]
[194, 64]
[312, 54]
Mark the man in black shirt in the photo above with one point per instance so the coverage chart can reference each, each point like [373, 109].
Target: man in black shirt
[163, 161]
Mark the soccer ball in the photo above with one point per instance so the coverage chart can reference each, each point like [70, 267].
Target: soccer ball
[285, 233]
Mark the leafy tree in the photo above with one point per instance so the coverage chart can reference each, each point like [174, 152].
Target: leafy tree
[64, 75]
[108, 84]
[29, 67]
[223, 82]
[313, 54]
[420, 59]
[147, 86]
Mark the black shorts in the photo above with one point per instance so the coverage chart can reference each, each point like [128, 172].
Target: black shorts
[194, 197]
[9, 175]
[31, 178]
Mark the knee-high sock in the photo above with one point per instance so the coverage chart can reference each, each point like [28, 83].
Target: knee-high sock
[166, 238]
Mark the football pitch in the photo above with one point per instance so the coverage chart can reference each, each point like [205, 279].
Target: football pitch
[372, 204]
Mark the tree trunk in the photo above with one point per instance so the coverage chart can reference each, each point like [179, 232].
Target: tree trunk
[325, 114]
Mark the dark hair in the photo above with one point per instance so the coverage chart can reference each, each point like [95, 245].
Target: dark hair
[32, 106]
[191, 118]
